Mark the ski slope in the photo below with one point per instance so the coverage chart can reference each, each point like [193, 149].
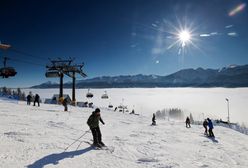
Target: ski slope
[36, 137]
[198, 101]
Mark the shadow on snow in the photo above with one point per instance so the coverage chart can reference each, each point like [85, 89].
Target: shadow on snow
[211, 138]
[55, 158]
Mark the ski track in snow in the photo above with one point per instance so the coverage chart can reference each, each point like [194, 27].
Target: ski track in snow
[36, 137]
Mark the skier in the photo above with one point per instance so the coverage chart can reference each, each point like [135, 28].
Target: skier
[29, 97]
[153, 119]
[205, 125]
[132, 112]
[210, 128]
[37, 99]
[187, 122]
[65, 102]
[93, 123]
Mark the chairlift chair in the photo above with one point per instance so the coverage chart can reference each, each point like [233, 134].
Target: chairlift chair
[105, 95]
[110, 106]
[89, 94]
[6, 72]
[52, 74]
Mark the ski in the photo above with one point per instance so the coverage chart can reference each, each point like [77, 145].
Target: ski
[107, 148]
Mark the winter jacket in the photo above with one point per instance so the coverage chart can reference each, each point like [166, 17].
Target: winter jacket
[205, 123]
[37, 98]
[187, 120]
[29, 98]
[210, 124]
[153, 119]
[65, 102]
[93, 120]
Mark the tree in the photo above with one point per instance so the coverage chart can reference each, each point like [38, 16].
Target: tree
[5, 90]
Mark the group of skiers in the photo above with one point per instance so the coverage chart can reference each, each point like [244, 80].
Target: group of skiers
[95, 117]
[35, 99]
[207, 124]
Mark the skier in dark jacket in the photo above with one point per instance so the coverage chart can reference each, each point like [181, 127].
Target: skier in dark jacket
[205, 125]
[65, 102]
[29, 97]
[93, 123]
[187, 122]
[210, 128]
[37, 99]
[153, 119]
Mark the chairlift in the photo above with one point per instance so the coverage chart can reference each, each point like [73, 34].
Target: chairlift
[105, 95]
[89, 94]
[110, 106]
[91, 105]
[6, 72]
[52, 74]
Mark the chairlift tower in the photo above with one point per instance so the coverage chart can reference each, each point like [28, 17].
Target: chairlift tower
[71, 71]
[55, 69]
[59, 68]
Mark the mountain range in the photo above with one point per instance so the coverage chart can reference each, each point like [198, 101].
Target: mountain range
[231, 76]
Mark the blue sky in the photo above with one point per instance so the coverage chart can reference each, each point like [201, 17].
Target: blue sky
[121, 37]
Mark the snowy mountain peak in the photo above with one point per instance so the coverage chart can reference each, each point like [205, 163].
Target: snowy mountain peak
[231, 76]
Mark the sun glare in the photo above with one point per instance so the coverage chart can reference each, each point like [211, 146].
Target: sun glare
[184, 36]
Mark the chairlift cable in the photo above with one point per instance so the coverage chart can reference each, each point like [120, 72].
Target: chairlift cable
[26, 54]
[26, 62]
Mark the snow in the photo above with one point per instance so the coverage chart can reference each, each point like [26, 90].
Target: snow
[201, 102]
[36, 137]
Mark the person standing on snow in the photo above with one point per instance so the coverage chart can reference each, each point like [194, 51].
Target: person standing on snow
[187, 122]
[210, 128]
[65, 102]
[29, 97]
[37, 99]
[153, 119]
[205, 125]
[93, 123]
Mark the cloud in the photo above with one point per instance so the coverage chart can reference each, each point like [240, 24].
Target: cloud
[233, 34]
[209, 34]
[154, 25]
[228, 26]
[237, 9]
[205, 35]
[214, 33]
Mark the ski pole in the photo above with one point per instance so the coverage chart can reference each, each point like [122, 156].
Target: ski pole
[76, 140]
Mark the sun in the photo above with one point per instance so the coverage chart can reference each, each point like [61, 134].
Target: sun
[184, 36]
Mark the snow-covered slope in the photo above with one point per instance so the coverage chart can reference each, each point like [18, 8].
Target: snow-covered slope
[36, 137]
[201, 102]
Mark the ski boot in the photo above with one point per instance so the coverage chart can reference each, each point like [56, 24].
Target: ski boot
[96, 145]
[102, 144]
